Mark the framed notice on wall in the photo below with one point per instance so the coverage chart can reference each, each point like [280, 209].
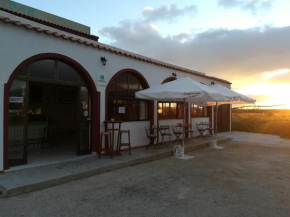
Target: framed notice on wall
[121, 110]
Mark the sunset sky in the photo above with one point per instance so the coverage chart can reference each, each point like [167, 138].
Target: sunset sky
[243, 41]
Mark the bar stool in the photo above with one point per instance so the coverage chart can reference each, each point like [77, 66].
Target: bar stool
[124, 143]
[108, 147]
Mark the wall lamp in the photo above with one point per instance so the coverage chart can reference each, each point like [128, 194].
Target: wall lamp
[104, 60]
[174, 74]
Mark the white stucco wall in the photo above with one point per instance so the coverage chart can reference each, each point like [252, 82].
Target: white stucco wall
[137, 132]
[18, 44]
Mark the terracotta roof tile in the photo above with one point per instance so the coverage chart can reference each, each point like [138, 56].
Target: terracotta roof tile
[53, 25]
[107, 48]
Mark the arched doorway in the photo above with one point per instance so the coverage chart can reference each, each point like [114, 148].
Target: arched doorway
[50, 107]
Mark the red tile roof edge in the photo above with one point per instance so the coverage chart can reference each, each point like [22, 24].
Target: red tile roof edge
[53, 25]
[107, 48]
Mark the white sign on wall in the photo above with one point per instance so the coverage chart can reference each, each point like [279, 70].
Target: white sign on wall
[101, 78]
[121, 110]
[15, 99]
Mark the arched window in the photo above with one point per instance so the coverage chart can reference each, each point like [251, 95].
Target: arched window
[122, 104]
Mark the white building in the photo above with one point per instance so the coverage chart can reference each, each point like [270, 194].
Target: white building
[53, 81]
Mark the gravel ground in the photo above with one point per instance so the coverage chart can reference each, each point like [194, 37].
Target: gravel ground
[240, 180]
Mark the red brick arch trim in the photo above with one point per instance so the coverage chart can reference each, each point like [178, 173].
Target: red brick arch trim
[145, 85]
[95, 97]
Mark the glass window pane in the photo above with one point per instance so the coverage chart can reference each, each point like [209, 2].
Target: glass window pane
[133, 85]
[197, 111]
[84, 98]
[35, 93]
[23, 71]
[166, 110]
[82, 80]
[143, 110]
[123, 85]
[180, 110]
[205, 111]
[84, 108]
[17, 99]
[192, 110]
[112, 88]
[43, 69]
[112, 109]
[201, 111]
[141, 87]
[121, 115]
[66, 94]
[133, 110]
[173, 110]
[67, 73]
[160, 110]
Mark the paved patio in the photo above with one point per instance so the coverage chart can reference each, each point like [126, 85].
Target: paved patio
[257, 139]
[241, 180]
[31, 179]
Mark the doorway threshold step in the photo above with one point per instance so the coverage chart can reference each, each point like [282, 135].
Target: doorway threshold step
[22, 181]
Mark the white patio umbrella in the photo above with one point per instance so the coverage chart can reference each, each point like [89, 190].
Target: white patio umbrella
[183, 90]
[236, 98]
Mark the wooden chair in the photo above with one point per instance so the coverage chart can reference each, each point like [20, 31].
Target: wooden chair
[152, 137]
[211, 130]
[203, 130]
[177, 134]
[164, 131]
[128, 144]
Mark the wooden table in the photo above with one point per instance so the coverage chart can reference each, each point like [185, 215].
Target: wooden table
[114, 126]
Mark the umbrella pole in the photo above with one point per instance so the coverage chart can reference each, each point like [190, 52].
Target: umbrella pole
[216, 118]
[157, 125]
[183, 135]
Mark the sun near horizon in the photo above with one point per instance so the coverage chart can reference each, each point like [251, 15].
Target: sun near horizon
[270, 89]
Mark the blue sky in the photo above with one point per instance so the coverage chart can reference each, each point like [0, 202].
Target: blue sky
[243, 41]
